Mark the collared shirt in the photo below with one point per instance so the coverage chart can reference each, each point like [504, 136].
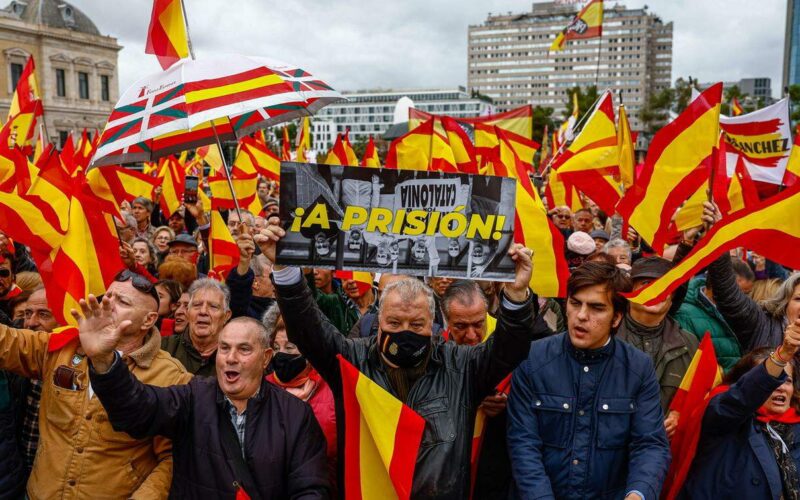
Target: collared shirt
[30, 422]
[238, 420]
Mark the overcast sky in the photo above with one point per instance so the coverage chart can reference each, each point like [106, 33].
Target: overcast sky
[423, 43]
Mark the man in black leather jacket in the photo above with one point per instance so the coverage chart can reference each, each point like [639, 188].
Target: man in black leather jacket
[441, 381]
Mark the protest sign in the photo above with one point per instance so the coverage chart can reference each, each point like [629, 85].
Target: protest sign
[400, 221]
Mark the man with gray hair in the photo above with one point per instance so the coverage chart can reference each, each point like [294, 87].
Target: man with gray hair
[208, 311]
[236, 436]
[620, 250]
[442, 382]
[126, 227]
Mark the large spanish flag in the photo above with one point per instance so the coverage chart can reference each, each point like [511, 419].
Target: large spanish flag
[166, 36]
[690, 402]
[771, 229]
[534, 229]
[381, 439]
[676, 166]
[422, 149]
[587, 24]
[591, 162]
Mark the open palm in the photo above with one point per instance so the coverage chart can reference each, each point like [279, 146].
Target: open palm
[99, 333]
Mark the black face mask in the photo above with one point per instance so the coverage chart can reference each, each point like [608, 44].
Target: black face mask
[405, 349]
[288, 366]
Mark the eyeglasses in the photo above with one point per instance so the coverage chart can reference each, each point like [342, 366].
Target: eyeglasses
[5, 273]
[139, 282]
[562, 216]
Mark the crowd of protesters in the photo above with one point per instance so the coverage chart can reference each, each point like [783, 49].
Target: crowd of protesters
[177, 384]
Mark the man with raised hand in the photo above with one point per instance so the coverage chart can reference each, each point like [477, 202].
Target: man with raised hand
[441, 381]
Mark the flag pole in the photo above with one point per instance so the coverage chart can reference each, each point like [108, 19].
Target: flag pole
[227, 173]
[577, 124]
[188, 35]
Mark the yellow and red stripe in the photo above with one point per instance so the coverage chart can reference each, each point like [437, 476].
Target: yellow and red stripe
[382, 439]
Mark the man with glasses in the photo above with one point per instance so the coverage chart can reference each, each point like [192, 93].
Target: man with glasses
[185, 247]
[234, 222]
[207, 312]
[80, 454]
[562, 218]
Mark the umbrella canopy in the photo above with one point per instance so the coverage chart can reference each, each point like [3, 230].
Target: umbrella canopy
[173, 110]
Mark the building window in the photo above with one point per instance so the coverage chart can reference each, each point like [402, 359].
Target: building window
[104, 94]
[16, 74]
[61, 83]
[63, 136]
[83, 85]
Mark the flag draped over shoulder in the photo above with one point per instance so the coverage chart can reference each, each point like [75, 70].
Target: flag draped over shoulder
[676, 166]
[371, 158]
[382, 439]
[223, 250]
[166, 36]
[690, 402]
[766, 229]
[588, 23]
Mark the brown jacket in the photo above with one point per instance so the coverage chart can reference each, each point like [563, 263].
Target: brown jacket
[80, 455]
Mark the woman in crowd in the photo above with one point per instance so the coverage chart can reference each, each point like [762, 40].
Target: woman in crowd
[161, 238]
[749, 444]
[145, 255]
[294, 373]
[169, 293]
[764, 290]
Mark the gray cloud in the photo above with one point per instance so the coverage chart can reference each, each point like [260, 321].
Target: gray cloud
[423, 44]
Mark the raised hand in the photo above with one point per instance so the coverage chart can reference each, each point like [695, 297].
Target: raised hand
[267, 239]
[98, 331]
[522, 257]
[126, 254]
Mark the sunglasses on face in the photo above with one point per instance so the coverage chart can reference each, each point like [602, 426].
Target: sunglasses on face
[139, 282]
[5, 273]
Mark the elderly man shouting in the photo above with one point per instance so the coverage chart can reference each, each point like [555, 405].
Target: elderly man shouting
[238, 432]
[441, 381]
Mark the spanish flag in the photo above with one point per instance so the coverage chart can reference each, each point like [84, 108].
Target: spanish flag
[222, 249]
[627, 158]
[304, 142]
[255, 155]
[25, 109]
[690, 402]
[792, 174]
[587, 24]
[770, 229]
[591, 162]
[381, 439]
[736, 108]
[363, 279]
[677, 165]
[371, 158]
[534, 229]
[286, 147]
[422, 149]
[211, 156]
[173, 180]
[342, 152]
[166, 36]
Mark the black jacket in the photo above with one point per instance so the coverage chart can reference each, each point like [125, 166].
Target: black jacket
[751, 324]
[284, 446]
[13, 474]
[446, 396]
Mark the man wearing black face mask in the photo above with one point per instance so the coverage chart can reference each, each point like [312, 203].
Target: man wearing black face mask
[441, 381]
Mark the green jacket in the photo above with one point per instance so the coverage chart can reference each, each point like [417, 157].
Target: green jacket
[334, 306]
[180, 347]
[698, 315]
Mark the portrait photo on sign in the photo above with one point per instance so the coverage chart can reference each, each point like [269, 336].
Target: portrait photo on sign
[399, 221]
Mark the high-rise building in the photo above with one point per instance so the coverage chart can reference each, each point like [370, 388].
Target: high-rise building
[791, 44]
[76, 66]
[371, 113]
[509, 60]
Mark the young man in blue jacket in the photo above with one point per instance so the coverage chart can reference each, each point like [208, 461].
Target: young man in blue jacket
[584, 415]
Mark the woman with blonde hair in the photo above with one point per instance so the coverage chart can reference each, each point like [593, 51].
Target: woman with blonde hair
[764, 289]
